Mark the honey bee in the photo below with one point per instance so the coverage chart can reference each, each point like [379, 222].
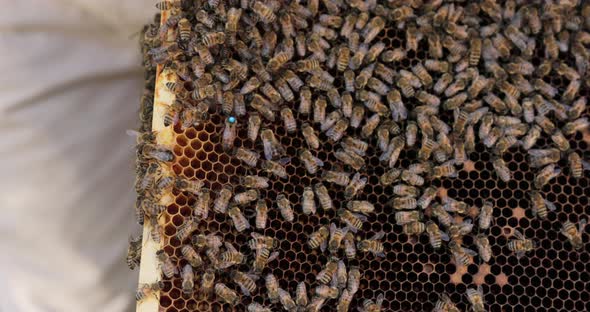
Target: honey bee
[486, 215]
[349, 246]
[424, 153]
[373, 306]
[225, 293]
[461, 254]
[336, 132]
[357, 183]
[344, 301]
[257, 307]
[276, 167]
[305, 101]
[319, 110]
[435, 235]
[308, 205]
[360, 206]
[254, 181]
[476, 299]
[247, 156]
[311, 162]
[372, 245]
[504, 143]
[186, 229]
[576, 126]
[337, 177]
[193, 258]
[265, 13]
[573, 233]
[347, 104]
[285, 207]
[328, 292]
[319, 238]
[353, 220]
[540, 205]
[254, 123]
[404, 217]
[560, 141]
[286, 301]
[326, 274]
[201, 208]
[245, 197]
[231, 256]
[229, 133]
[545, 175]
[520, 245]
[370, 125]
[246, 282]
[271, 145]
[272, 286]
[501, 169]
[134, 252]
[309, 65]
[442, 215]
[576, 165]
[411, 133]
[188, 280]
[357, 115]
[278, 61]
[577, 108]
[427, 197]
[207, 282]
[146, 290]
[336, 236]
[158, 153]
[442, 83]
[240, 222]
[531, 137]
[378, 86]
[301, 299]
[165, 263]
[167, 5]
[445, 304]
[483, 247]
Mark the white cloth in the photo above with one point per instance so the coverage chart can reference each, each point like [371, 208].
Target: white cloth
[70, 86]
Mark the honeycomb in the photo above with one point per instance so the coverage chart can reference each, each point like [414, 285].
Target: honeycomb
[413, 274]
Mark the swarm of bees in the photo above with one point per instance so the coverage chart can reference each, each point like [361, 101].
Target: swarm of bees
[266, 64]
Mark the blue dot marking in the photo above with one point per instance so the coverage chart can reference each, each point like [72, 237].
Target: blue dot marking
[231, 119]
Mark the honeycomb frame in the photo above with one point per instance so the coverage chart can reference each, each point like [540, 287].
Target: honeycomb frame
[412, 275]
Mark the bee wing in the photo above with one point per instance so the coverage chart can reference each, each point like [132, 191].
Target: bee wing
[444, 236]
[284, 161]
[378, 235]
[230, 247]
[519, 254]
[582, 225]
[586, 165]
[380, 299]
[470, 252]
[273, 256]
[318, 161]
[467, 226]
[518, 234]
[267, 147]
[360, 216]
[550, 205]
[323, 245]
[244, 290]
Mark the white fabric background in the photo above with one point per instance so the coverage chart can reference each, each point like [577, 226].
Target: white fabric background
[69, 87]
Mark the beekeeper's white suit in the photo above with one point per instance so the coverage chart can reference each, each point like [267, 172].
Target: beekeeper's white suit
[70, 80]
